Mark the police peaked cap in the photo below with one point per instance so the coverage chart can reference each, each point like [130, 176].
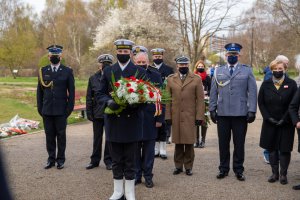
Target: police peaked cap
[55, 49]
[233, 47]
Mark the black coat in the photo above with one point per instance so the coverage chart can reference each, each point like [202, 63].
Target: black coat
[294, 112]
[59, 99]
[206, 84]
[149, 129]
[275, 103]
[165, 71]
[94, 110]
[128, 125]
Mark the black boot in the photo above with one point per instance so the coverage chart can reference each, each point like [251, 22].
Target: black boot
[203, 136]
[197, 142]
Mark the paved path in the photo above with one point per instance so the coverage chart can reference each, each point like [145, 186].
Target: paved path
[27, 155]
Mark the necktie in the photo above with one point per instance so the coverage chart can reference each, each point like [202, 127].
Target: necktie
[54, 69]
[231, 70]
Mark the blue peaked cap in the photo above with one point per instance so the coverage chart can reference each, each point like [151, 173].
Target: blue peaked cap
[55, 49]
[233, 47]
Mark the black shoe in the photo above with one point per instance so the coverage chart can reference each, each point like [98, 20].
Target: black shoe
[60, 165]
[91, 166]
[196, 145]
[283, 180]
[240, 177]
[296, 187]
[222, 175]
[149, 183]
[164, 157]
[156, 155]
[49, 165]
[177, 171]
[273, 178]
[202, 144]
[189, 172]
[109, 167]
[137, 181]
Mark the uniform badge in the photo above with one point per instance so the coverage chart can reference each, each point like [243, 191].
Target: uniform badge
[285, 86]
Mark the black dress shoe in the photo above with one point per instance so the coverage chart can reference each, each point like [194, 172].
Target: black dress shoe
[283, 180]
[137, 181]
[60, 165]
[273, 178]
[164, 157]
[240, 177]
[156, 155]
[49, 165]
[222, 175]
[177, 171]
[92, 165]
[189, 172]
[149, 183]
[109, 167]
[296, 187]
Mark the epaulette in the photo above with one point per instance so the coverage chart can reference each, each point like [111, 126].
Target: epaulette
[244, 65]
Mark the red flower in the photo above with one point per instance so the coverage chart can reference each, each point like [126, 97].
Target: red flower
[132, 78]
[141, 92]
[130, 90]
[117, 84]
[151, 94]
[128, 84]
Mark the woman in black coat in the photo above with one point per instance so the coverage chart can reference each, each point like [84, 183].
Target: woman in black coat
[277, 134]
[294, 113]
[200, 69]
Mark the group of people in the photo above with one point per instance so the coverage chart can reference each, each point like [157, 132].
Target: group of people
[135, 136]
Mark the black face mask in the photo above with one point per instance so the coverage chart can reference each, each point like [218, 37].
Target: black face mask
[143, 66]
[278, 74]
[54, 60]
[123, 58]
[158, 61]
[201, 70]
[183, 70]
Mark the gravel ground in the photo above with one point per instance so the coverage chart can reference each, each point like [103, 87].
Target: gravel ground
[26, 156]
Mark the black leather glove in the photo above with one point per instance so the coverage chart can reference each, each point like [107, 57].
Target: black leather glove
[250, 117]
[272, 121]
[112, 105]
[90, 117]
[169, 122]
[198, 122]
[213, 116]
[280, 123]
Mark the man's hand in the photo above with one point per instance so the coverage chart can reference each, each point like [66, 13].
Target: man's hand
[250, 117]
[112, 105]
[158, 124]
[213, 116]
[298, 125]
[169, 122]
[198, 122]
[90, 117]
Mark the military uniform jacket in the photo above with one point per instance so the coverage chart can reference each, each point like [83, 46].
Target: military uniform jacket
[58, 99]
[94, 109]
[149, 129]
[128, 125]
[165, 71]
[238, 97]
[275, 103]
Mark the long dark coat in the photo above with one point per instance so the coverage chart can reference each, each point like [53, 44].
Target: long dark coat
[294, 113]
[127, 126]
[275, 103]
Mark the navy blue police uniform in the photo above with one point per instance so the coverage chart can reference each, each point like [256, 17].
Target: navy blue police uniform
[95, 114]
[55, 102]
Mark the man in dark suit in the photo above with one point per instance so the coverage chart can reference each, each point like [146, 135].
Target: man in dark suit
[123, 130]
[164, 132]
[55, 102]
[145, 151]
[232, 104]
[95, 114]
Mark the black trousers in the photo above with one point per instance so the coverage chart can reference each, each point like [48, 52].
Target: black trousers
[280, 158]
[163, 132]
[98, 125]
[55, 129]
[145, 159]
[238, 127]
[123, 159]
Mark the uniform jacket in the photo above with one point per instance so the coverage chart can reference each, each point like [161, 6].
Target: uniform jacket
[149, 129]
[94, 110]
[128, 125]
[275, 103]
[58, 99]
[294, 112]
[238, 97]
[187, 106]
[165, 71]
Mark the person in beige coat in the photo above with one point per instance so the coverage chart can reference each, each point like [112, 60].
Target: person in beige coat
[184, 113]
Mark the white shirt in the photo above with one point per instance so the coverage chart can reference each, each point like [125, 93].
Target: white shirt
[123, 66]
[234, 66]
[55, 66]
[158, 66]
